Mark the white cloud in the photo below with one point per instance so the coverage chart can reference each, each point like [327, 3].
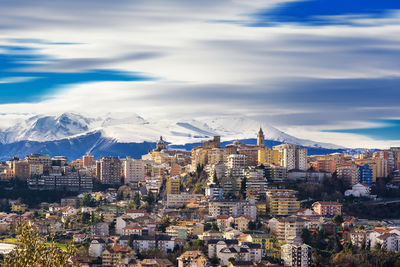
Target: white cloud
[191, 50]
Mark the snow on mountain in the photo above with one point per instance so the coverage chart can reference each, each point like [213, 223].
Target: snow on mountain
[46, 128]
[131, 128]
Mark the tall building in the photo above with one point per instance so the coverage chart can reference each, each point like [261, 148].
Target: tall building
[349, 174]
[378, 166]
[293, 157]
[133, 170]
[256, 183]
[389, 156]
[36, 158]
[269, 156]
[260, 138]
[296, 255]
[110, 170]
[88, 160]
[282, 202]
[365, 173]
[174, 185]
[21, 169]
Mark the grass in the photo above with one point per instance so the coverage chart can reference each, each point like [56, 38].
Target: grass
[14, 241]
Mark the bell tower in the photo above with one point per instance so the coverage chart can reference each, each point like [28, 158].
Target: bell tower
[260, 138]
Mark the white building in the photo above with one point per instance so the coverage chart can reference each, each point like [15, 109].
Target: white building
[133, 170]
[293, 157]
[96, 248]
[358, 190]
[297, 255]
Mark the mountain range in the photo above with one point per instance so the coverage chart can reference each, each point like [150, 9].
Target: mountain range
[74, 135]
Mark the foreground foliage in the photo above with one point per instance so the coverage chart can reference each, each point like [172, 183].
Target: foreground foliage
[34, 250]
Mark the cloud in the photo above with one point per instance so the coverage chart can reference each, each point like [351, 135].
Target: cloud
[310, 68]
[327, 12]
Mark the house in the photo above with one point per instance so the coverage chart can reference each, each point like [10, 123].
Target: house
[96, 247]
[242, 223]
[132, 230]
[358, 190]
[101, 228]
[155, 263]
[216, 245]
[68, 211]
[135, 213]
[193, 259]
[79, 238]
[79, 261]
[177, 231]
[113, 256]
[327, 208]
[122, 222]
[224, 221]
[389, 242]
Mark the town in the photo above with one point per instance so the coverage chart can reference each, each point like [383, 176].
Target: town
[234, 205]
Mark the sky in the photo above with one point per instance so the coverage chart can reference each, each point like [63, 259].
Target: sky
[322, 70]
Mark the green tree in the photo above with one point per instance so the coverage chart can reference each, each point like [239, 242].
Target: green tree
[242, 191]
[88, 201]
[337, 219]
[34, 250]
[85, 217]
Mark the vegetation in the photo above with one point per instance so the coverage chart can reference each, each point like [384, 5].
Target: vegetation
[34, 250]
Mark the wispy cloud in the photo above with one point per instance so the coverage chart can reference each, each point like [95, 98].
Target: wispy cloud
[309, 64]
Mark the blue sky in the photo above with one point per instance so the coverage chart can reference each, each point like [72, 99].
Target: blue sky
[326, 12]
[321, 69]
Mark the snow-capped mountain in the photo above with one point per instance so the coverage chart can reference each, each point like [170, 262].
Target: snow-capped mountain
[132, 128]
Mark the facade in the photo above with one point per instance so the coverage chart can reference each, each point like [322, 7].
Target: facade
[110, 170]
[327, 208]
[233, 208]
[71, 181]
[349, 174]
[296, 255]
[21, 169]
[293, 157]
[193, 259]
[133, 171]
[173, 185]
[366, 175]
[177, 200]
[282, 202]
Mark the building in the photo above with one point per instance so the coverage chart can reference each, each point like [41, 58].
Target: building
[110, 170]
[39, 159]
[174, 185]
[269, 156]
[260, 138]
[378, 166]
[21, 170]
[176, 231]
[233, 208]
[256, 183]
[296, 255]
[287, 228]
[177, 200]
[113, 256]
[365, 174]
[293, 157]
[88, 161]
[327, 208]
[133, 171]
[193, 259]
[358, 190]
[213, 190]
[72, 181]
[282, 202]
[349, 174]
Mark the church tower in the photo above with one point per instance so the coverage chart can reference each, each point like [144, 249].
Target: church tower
[260, 138]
